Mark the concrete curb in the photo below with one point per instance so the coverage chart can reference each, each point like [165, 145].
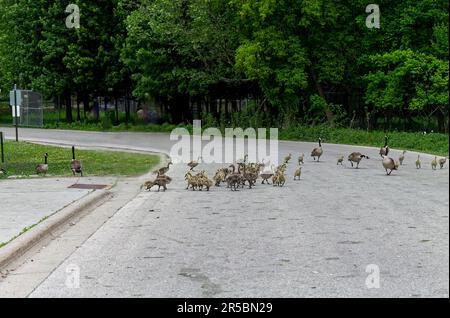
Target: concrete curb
[26, 241]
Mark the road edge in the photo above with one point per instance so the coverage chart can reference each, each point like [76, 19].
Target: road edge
[20, 245]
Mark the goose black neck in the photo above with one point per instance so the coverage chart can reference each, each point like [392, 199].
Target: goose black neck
[45, 159]
[73, 153]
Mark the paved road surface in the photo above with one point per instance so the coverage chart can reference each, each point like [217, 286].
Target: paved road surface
[311, 238]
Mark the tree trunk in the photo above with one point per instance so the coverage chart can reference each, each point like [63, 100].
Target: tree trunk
[127, 109]
[328, 112]
[116, 110]
[85, 105]
[68, 102]
[78, 109]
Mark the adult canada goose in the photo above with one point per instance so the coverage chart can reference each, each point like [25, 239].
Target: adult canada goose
[384, 151]
[434, 163]
[193, 163]
[442, 162]
[340, 160]
[402, 157]
[418, 162]
[356, 157]
[75, 165]
[389, 164]
[317, 152]
[43, 167]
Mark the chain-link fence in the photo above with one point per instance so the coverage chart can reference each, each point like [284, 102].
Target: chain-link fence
[31, 110]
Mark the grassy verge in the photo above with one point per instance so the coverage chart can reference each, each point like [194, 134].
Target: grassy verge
[434, 143]
[21, 159]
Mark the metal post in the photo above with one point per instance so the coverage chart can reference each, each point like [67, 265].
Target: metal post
[16, 121]
[1, 147]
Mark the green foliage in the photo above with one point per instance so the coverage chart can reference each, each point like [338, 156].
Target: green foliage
[301, 61]
[404, 79]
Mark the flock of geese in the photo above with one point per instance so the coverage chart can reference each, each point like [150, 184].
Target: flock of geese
[43, 168]
[248, 173]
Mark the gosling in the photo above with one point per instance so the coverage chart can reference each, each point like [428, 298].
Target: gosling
[298, 173]
[340, 160]
[442, 162]
[160, 181]
[434, 163]
[402, 157]
[287, 158]
[418, 162]
[301, 158]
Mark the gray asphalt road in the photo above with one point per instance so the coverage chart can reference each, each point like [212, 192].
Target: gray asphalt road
[311, 238]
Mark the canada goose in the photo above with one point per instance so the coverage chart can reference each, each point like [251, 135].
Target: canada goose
[160, 181]
[287, 158]
[194, 163]
[278, 179]
[43, 167]
[402, 157]
[389, 164]
[301, 158]
[250, 177]
[220, 176]
[2, 171]
[233, 179]
[266, 174]
[298, 173]
[242, 161]
[384, 151]
[340, 160]
[317, 152]
[192, 181]
[442, 162]
[163, 170]
[356, 157]
[434, 163]
[75, 165]
[204, 181]
[418, 163]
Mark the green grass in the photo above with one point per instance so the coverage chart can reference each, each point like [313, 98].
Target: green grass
[433, 143]
[21, 159]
